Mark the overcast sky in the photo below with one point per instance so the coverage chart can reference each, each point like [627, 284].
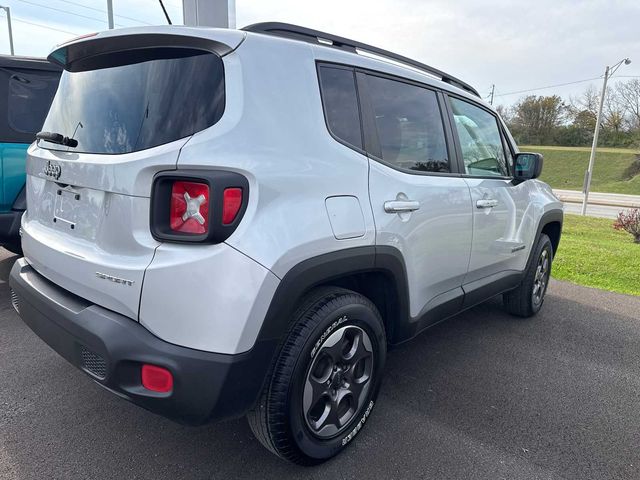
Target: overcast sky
[515, 44]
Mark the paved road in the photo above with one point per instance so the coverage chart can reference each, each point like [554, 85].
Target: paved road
[602, 211]
[482, 396]
[605, 205]
[597, 198]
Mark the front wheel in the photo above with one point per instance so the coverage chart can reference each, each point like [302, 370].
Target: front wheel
[527, 299]
[326, 379]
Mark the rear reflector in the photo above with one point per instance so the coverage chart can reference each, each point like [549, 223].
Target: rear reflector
[189, 209]
[157, 379]
[231, 203]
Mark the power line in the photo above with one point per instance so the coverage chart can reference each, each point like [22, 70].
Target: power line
[104, 11]
[65, 12]
[164, 10]
[549, 86]
[43, 26]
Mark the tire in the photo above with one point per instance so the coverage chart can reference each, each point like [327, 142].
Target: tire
[14, 248]
[291, 418]
[527, 299]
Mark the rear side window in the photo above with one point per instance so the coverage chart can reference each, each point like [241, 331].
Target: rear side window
[125, 108]
[480, 140]
[30, 96]
[340, 103]
[409, 124]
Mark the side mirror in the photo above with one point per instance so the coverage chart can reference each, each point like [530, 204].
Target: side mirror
[527, 166]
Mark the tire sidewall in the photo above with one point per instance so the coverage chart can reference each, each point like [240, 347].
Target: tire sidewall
[359, 315]
[543, 244]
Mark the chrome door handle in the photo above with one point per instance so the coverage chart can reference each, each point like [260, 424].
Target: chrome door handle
[486, 203]
[401, 206]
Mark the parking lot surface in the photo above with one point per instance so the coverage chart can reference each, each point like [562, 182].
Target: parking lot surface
[481, 396]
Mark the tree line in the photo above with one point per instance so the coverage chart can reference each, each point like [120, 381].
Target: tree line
[550, 120]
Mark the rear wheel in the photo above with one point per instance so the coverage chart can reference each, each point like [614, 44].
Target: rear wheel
[527, 299]
[325, 380]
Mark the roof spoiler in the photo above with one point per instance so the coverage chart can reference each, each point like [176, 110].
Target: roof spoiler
[99, 51]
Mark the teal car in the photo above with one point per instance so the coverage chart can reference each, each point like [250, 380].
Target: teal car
[27, 87]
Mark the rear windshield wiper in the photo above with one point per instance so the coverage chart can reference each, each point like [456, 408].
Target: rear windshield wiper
[57, 138]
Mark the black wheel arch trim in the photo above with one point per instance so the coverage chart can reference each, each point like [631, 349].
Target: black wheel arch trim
[323, 269]
[388, 260]
[549, 217]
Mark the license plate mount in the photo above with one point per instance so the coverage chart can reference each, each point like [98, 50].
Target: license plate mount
[65, 212]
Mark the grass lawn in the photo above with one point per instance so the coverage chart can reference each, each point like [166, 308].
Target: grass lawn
[564, 168]
[592, 253]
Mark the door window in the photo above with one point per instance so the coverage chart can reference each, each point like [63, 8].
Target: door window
[409, 124]
[482, 148]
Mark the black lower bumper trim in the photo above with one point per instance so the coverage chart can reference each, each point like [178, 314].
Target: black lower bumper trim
[111, 348]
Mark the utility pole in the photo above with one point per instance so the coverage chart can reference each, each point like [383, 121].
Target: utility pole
[493, 89]
[110, 13]
[232, 13]
[592, 159]
[8, 12]
[209, 13]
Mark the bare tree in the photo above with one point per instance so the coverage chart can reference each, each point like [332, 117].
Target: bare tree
[629, 97]
[505, 112]
[613, 115]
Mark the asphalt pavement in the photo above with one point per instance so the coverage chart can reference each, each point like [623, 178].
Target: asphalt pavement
[598, 198]
[602, 211]
[605, 205]
[481, 396]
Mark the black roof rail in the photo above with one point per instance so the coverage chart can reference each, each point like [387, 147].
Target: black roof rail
[322, 38]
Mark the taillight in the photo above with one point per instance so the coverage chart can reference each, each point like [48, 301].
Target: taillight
[231, 203]
[203, 206]
[189, 209]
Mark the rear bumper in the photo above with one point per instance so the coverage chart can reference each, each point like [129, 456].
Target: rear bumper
[110, 348]
[10, 227]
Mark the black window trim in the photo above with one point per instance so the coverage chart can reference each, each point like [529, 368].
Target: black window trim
[367, 119]
[456, 138]
[508, 143]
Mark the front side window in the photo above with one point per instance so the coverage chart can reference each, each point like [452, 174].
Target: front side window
[122, 108]
[30, 96]
[409, 125]
[480, 140]
[340, 103]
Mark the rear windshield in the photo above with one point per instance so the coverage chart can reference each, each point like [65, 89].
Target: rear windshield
[30, 94]
[126, 108]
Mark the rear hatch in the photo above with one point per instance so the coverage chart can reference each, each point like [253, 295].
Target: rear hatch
[126, 103]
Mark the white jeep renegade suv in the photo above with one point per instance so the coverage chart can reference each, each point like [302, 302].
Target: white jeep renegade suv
[231, 222]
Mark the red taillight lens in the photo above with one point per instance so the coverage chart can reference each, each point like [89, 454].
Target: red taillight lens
[231, 203]
[189, 210]
[197, 206]
[157, 379]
